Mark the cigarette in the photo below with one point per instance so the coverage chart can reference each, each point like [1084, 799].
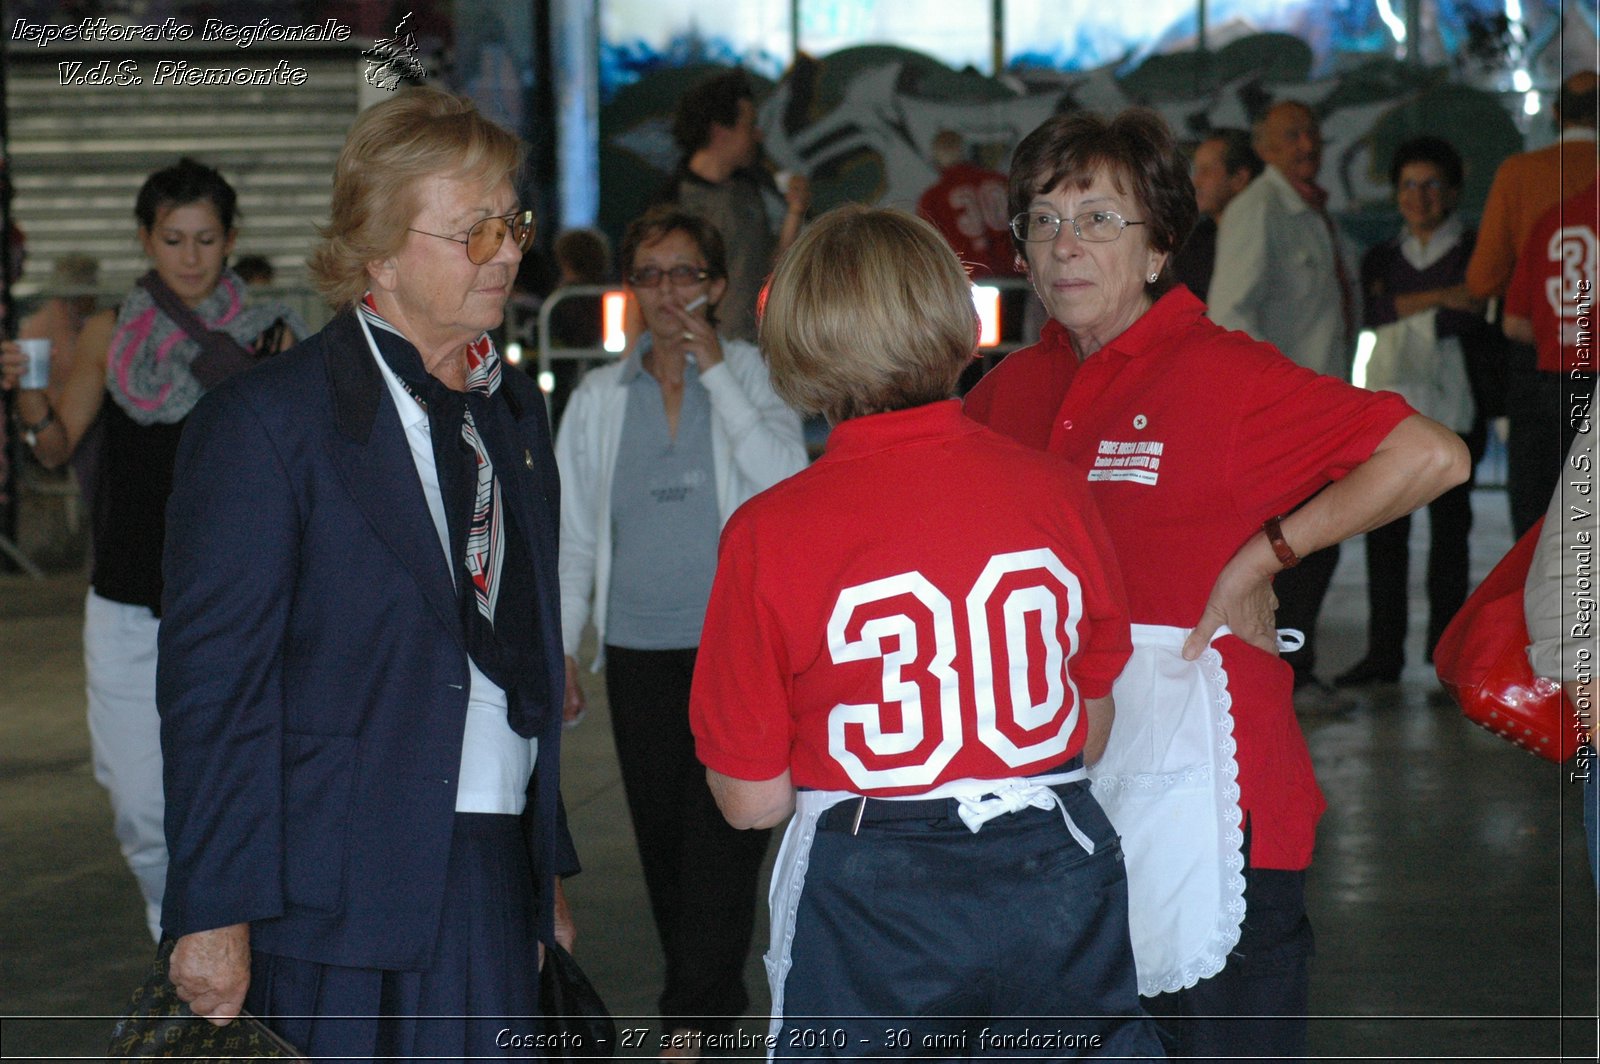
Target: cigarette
[695, 304]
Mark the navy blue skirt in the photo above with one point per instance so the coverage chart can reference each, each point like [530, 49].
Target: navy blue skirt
[478, 998]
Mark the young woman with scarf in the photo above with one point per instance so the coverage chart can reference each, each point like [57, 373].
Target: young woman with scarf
[138, 371]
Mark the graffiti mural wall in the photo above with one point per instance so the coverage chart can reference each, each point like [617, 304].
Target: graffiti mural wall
[862, 120]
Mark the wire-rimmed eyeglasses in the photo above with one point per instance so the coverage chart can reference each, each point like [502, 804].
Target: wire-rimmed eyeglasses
[1096, 227]
[483, 240]
[681, 276]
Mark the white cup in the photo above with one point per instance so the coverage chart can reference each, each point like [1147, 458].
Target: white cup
[37, 375]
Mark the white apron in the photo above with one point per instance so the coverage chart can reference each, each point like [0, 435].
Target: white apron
[1168, 782]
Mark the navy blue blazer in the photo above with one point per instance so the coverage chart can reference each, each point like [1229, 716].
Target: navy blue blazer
[312, 675]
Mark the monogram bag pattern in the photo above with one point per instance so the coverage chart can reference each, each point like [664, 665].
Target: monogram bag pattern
[158, 1024]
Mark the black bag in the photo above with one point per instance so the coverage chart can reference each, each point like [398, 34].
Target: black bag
[577, 1024]
[158, 1024]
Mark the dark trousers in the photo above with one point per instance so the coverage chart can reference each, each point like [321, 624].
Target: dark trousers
[1300, 593]
[920, 939]
[1389, 568]
[1539, 409]
[1255, 1008]
[701, 875]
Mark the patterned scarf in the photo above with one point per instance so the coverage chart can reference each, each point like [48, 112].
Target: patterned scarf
[485, 541]
[473, 432]
[148, 364]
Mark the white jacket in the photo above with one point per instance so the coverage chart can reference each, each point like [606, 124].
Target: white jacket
[1275, 277]
[755, 442]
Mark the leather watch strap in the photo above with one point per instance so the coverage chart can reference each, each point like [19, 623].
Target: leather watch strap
[1273, 528]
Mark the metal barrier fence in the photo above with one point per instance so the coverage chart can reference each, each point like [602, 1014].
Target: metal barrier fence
[548, 352]
[1017, 327]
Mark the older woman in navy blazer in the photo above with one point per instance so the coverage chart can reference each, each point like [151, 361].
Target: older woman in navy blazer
[361, 668]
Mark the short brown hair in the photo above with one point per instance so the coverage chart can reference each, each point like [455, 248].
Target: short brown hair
[584, 253]
[415, 134]
[869, 311]
[1135, 150]
[666, 218]
[1578, 102]
[1238, 150]
[715, 99]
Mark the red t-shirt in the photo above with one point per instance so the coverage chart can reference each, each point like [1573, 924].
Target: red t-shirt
[1190, 437]
[1553, 284]
[968, 205]
[927, 602]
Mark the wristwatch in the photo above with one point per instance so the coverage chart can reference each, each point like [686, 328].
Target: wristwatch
[1274, 531]
[30, 433]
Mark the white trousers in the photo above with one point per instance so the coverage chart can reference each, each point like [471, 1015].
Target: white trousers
[119, 660]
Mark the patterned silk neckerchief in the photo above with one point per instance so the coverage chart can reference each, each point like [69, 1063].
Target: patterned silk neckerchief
[486, 548]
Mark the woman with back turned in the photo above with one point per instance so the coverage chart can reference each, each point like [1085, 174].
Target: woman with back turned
[911, 646]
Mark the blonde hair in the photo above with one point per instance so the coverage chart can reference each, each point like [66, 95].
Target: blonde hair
[868, 312]
[416, 134]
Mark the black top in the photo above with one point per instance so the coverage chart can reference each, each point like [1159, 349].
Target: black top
[132, 484]
[1385, 273]
[1193, 263]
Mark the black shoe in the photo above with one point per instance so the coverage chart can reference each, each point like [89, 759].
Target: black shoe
[1365, 672]
[1313, 698]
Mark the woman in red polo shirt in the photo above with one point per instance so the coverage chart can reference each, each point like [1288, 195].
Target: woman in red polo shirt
[1194, 442]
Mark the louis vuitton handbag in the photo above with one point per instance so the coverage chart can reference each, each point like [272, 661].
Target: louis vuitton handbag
[158, 1024]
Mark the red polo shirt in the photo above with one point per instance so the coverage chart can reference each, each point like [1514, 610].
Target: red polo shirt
[968, 205]
[1553, 284]
[1189, 437]
[927, 602]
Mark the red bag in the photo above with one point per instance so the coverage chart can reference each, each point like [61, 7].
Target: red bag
[1482, 660]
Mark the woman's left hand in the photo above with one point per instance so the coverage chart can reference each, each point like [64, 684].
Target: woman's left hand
[1242, 598]
[566, 929]
[696, 336]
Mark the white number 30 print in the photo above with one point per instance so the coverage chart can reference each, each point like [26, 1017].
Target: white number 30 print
[1042, 598]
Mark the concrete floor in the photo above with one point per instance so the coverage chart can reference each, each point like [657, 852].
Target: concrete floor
[1451, 899]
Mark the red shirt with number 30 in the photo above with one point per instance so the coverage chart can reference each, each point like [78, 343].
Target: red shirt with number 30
[927, 602]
